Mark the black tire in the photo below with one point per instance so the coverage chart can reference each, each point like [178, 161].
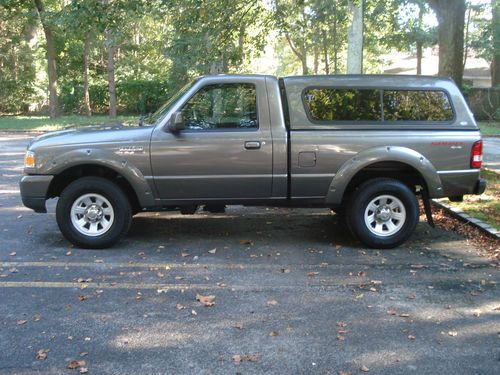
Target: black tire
[358, 207]
[120, 205]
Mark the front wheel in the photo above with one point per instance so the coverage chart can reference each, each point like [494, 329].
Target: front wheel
[93, 213]
[383, 213]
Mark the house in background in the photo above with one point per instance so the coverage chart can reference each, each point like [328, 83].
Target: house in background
[477, 70]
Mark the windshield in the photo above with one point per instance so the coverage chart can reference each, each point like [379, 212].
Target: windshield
[163, 110]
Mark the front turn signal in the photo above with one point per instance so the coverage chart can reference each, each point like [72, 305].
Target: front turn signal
[29, 159]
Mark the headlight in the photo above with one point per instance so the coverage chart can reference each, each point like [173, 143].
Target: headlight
[29, 159]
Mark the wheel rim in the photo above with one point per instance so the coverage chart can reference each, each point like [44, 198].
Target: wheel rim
[92, 215]
[385, 215]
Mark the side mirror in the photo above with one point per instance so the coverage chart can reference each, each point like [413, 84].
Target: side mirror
[176, 123]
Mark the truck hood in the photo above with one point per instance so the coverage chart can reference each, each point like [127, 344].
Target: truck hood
[91, 135]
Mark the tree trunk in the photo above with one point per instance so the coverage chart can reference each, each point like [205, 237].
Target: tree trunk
[355, 39]
[111, 74]
[495, 66]
[51, 61]
[420, 46]
[301, 55]
[316, 59]
[86, 96]
[325, 53]
[451, 18]
[419, 57]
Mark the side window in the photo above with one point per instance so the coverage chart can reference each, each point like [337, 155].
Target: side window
[401, 105]
[329, 104]
[222, 106]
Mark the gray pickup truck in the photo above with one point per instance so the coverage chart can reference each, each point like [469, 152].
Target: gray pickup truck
[365, 146]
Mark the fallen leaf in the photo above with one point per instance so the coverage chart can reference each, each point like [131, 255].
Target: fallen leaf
[213, 251]
[74, 364]
[284, 270]
[453, 333]
[42, 354]
[364, 369]
[411, 337]
[238, 326]
[82, 280]
[13, 254]
[207, 301]
[323, 264]
[68, 253]
[238, 358]
[340, 338]
[37, 317]
[392, 312]
[245, 242]
[273, 333]
[344, 373]
[184, 255]
[312, 274]
[21, 322]
[404, 315]
[83, 354]
[179, 306]
[272, 302]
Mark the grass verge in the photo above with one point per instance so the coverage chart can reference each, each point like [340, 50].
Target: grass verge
[485, 207]
[489, 128]
[45, 123]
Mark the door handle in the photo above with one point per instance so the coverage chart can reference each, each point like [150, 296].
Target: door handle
[252, 145]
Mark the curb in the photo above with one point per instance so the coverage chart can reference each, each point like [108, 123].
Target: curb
[459, 214]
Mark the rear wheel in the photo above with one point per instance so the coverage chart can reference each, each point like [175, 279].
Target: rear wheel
[383, 213]
[93, 213]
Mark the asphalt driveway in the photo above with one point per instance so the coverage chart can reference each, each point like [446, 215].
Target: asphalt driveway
[294, 293]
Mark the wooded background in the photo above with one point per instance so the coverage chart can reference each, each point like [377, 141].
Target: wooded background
[97, 56]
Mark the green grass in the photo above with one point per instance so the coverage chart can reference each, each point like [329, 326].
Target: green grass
[44, 123]
[489, 128]
[485, 207]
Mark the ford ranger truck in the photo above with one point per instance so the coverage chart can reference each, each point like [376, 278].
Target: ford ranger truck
[365, 146]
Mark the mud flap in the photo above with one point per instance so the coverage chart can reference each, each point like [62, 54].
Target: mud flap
[427, 208]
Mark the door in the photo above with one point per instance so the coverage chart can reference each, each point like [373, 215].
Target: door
[225, 150]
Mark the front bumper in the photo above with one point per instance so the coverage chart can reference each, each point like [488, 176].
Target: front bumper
[34, 191]
[480, 186]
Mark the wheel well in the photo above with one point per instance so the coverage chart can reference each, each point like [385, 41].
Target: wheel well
[405, 173]
[63, 179]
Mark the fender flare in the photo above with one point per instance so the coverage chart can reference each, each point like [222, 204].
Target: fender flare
[108, 159]
[374, 155]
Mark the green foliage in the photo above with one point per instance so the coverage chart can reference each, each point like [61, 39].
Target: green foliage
[161, 44]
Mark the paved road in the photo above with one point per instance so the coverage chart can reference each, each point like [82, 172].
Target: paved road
[430, 307]
[492, 153]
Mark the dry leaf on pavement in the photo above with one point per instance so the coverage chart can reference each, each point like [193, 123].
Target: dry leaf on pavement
[42, 354]
[74, 364]
[207, 301]
[272, 302]
[238, 358]
[245, 242]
